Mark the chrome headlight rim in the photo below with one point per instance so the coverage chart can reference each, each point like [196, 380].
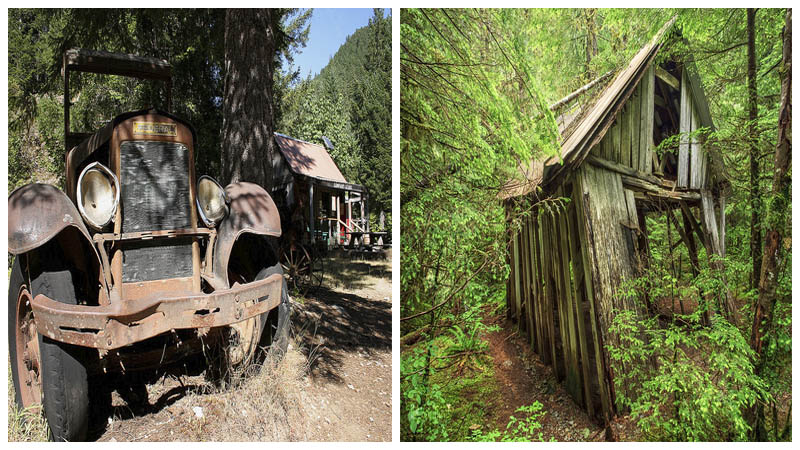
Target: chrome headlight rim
[79, 196]
[225, 201]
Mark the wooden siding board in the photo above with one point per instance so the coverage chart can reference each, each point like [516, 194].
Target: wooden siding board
[538, 292]
[636, 115]
[647, 117]
[695, 161]
[549, 318]
[616, 149]
[574, 382]
[581, 196]
[685, 127]
[625, 136]
[579, 294]
[532, 323]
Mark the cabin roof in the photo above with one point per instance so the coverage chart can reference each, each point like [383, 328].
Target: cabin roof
[584, 125]
[306, 158]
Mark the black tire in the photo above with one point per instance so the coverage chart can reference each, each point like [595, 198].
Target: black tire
[275, 323]
[64, 380]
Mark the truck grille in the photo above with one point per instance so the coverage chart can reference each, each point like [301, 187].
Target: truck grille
[155, 196]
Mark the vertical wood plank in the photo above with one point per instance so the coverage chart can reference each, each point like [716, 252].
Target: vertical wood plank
[616, 149]
[579, 295]
[709, 220]
[547, 297]
[558, 289]
[636, 115]
[695, 161]
[539, 291]
[685, 127]
[625, 136]
[587, 249]
[574, 382]
[529, 289]
[648, 116]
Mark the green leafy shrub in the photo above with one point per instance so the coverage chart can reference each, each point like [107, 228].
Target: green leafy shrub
[525, 429]
[684, 381]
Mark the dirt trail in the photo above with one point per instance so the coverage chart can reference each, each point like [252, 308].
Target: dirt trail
[523, 379]
[333, 385]
[348, 328]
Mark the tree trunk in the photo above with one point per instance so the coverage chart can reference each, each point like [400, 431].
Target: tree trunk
[248, 149]
[780, 204]
[591, 39]
[752, 109]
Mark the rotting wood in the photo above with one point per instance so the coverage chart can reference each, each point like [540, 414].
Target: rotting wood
[623, 170]
[635, 122]
[532, 325]
[649, 113]
[667, 77]
[539, 290]
[515, 271]
[696, 154]
[578, 294]
[547, 297]
[558, 291]
[685, 129]
[573, 374]
[656, 191]
[585, 233]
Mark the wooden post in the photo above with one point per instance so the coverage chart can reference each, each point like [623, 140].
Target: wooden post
[311, 211]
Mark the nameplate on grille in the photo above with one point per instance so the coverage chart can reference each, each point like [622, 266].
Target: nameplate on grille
[155, 128]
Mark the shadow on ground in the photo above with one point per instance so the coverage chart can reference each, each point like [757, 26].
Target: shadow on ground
[332, 323]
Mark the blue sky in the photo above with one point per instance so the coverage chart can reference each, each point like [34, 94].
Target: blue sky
[329, 29]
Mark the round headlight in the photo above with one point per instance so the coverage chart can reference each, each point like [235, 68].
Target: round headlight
[98, 195]
[212, 202]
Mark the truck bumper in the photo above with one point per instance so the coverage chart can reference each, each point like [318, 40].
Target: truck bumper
[127, 322]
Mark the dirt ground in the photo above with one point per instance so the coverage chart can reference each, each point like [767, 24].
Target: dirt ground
[523, 379]
[334, 384]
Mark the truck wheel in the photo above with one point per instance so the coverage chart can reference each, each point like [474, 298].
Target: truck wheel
[261, 331]
[275, 323]
[45, 371]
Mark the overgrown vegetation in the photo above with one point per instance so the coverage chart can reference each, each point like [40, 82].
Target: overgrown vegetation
[475, 90]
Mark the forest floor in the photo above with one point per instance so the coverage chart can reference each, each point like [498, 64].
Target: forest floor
[523, 379]
[333, 384]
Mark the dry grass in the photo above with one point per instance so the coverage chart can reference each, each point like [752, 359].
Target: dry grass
[265, 404]
[28, 425]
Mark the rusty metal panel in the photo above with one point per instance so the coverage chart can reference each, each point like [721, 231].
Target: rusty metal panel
[38, 212]
[126, 322]
[252, 211]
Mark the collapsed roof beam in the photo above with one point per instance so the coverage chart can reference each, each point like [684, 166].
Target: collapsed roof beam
[564, 101]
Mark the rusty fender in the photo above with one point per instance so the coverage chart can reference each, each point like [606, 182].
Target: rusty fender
[37, 213]
[251, 211]
[126, 322]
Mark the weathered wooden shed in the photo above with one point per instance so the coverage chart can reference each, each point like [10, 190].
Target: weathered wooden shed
[314, 198]
[567, 263]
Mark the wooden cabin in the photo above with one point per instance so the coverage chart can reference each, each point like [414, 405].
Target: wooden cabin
[567, 263]
[317, 204]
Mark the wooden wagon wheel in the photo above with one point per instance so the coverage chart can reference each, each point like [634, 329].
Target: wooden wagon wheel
[303, 267]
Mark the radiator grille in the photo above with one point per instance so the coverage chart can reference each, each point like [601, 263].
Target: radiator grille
[155, 196]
